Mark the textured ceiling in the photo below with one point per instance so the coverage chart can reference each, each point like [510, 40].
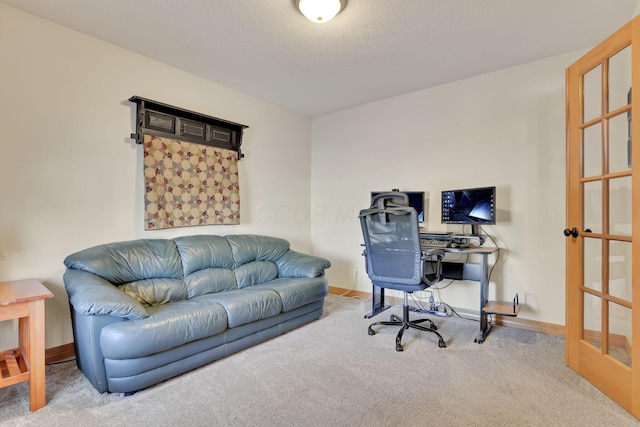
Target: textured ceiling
[373, 49]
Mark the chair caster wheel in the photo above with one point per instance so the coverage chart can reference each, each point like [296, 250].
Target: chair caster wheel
[399, 348]
[371, 331]
[442, 344]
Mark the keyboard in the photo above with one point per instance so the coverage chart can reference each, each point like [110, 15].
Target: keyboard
[432, 243]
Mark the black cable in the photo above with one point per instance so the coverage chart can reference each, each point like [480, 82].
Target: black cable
[453, 311]
[442, 287]
[497, 253]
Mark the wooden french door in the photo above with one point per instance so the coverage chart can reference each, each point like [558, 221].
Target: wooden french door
[603, 217]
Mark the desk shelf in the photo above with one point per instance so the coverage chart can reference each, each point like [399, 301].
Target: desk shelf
[504, 308]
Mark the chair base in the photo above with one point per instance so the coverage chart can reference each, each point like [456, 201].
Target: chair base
[406, 324]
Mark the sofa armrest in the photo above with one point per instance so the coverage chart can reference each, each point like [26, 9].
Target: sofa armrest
[296, 264]
[91, 295]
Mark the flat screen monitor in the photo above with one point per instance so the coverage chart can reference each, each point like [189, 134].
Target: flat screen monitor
[473, 206]
[416, 201]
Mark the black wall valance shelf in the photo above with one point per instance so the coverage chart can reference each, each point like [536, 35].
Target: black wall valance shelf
[158, 119]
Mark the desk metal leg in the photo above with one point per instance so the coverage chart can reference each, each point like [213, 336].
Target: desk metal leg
[485, 325]
[377, 302]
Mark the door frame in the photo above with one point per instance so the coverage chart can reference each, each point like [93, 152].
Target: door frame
[604, 372]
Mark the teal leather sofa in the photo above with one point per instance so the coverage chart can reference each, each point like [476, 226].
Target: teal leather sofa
[147, 310]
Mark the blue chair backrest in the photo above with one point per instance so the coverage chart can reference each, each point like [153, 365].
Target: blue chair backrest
[392, 244]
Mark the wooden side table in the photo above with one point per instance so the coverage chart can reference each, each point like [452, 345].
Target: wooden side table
[24, 300]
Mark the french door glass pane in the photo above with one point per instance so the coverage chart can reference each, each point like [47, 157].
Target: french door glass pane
[620, 333]
[619, 78]
[593, 264]
[620, 206]
[593, 206]
[618, 143]
[592, 94]
[592, 327]
[620, 263]
[592, 150]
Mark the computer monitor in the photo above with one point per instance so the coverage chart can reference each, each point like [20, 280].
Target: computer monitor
[475, 206]
[416, 201]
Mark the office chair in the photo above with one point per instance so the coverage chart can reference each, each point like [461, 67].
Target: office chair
[394, 260]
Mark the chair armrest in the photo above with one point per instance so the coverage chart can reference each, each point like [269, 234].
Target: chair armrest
[92, 295]
[296, 264]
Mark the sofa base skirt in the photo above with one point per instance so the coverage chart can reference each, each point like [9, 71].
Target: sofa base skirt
[125, 376]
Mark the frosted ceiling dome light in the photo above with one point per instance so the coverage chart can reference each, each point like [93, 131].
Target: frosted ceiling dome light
[319, 11]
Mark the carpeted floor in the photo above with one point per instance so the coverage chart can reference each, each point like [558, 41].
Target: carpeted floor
[331, 373]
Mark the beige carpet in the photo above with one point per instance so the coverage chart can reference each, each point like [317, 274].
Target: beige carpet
[331, 373]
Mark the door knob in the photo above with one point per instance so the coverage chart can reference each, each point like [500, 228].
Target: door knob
[573, 232]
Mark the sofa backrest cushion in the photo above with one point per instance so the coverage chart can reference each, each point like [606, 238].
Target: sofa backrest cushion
[208, 263]
[255, 258]
[255, 272]
[126, 262]
[250, 247]
[201, 252]
[209, 280]
[156, 291]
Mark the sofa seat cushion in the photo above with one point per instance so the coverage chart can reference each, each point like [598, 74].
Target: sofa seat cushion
[168, 326]
[246, 305]
[295, 293]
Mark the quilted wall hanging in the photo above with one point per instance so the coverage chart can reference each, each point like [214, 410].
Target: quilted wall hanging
[190, 166]
[189, 184]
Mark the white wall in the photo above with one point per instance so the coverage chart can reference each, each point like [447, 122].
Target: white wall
[505, 128]
[71, 178]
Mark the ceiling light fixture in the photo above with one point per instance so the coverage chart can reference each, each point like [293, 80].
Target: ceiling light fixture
[320, 11]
